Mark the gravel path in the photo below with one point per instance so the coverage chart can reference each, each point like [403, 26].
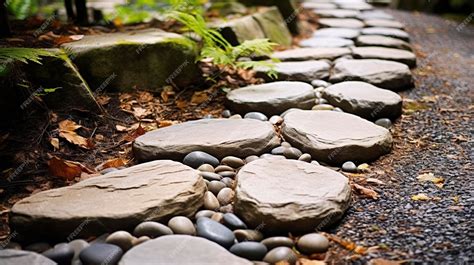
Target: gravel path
[436, 139]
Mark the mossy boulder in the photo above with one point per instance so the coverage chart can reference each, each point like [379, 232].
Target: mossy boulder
[147, 59]
[287, 8]
[60, 84]
[238, 30]
[273, 25]
[225, 8]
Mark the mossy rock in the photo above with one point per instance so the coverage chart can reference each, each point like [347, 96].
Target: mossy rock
[239, 30]
[144, 59]
[273, 25]
[287, 8]
[67, 89]
[225, 8]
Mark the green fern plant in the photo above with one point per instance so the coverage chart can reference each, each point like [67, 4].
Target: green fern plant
[215, 46]
[23, 55]
[21, 9]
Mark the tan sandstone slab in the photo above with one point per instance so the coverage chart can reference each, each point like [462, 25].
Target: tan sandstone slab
[218, 137]
[118, 200]
[281, 195]
[336, 137]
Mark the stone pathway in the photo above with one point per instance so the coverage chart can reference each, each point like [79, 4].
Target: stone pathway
[267, 174]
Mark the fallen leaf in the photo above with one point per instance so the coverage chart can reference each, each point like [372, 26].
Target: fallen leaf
[65, 39]
[363, 167]
[380, 261]
[133, 135]
[144, 97]
[438, 181]
[54, 142]
[115, 162]
[103, 99]
[166, 93]
[310, 262]
[411, 106]
[140, 112]
[66, 169]
[165, 123]
[374, 180]
[420, 197]
[199, 97]
[181, 103]
[365, 191]
[347, 244]
[67, 130]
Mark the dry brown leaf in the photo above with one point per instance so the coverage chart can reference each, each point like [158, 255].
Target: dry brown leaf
[303, 261]
[199, 97]
[380, 261]
[66, 169]
[370, 193]
[115, 162]
[140, 112]
[133, 135]
[103, 99]
[65, 39]
[54, 142]
[438, 181]
[67, 130]
[144, 97]
[420, 197]
[167, 93]
[374, 180]
[347, 244]
[181, 103]
[166, 123]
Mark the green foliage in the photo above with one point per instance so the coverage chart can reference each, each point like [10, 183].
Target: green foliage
[220, 50]
[23, 55]
[21, 9]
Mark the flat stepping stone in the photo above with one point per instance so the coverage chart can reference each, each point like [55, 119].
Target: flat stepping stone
[271, 98]
[381, 73]
[376, 40]
[290, 195]
[180, 250]
[384, 53]
[305, 71]
[151, 57]
[375, 14]
[337, 13]
[314, 5]
[384, 23]
[326, 42]
[364, 100]
[217, 137]
[337, 33]
[356, 6]
[114, 201]
[388, 32]
[335, 137]
[341, 23]
[17, 257]
[305, 54]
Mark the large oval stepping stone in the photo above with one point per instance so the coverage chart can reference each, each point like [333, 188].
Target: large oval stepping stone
[271, 98]
[356, 5]
[181, 250]
[335, 137]
[337, 13]
[290, 195]
[217, 137]
[17, 257]
[383, 53]
[305, 54]
[376, 40]
[118, 200]
[381, 73]
[340, 23]
[385, 23]
[337, 33]
[364, 100]
[388, 32]
[306, 71]
[326, 42]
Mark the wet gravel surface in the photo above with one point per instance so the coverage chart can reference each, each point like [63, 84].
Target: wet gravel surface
[436, 138]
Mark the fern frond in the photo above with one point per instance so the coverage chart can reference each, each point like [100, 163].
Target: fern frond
[267, 66]
[258, 47]
[23, 55]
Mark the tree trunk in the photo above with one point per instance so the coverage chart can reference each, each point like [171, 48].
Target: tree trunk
[81, 12]
[69, 10]
[4, 26]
